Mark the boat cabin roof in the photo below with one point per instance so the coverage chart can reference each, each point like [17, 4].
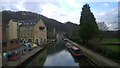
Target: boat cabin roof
[75, 48]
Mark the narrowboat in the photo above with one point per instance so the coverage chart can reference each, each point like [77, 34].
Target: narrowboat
[75, 51]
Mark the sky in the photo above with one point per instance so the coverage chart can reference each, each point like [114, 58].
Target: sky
[67, 10]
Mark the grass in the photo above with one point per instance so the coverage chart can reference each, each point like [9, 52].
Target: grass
[110, 40]
[113, 48]
[112, 51]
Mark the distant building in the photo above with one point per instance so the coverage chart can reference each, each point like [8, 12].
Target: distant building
[33, 31]
[4, 36]
[13, 29]
[10, 39]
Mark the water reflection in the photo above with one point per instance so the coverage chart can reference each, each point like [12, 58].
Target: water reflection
[55, 48]
[39, 59]
[59, 56]
[63, 58]
[56, 55]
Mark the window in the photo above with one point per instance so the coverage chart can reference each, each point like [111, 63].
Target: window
[16, 41]
[4, 44]
[36, 35]
[22, 39]
[44, 40]
[29, 40]
[41, 40]
[41, 27]
[11, 41]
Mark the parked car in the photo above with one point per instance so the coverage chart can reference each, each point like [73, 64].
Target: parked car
[21, 43]
[24, 49]
[15, 56]
[9, 56]
[29, 45]
[34, 45]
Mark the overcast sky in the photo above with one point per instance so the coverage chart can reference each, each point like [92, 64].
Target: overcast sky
[67, 10]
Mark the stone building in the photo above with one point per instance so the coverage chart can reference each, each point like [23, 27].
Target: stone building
[33, 31]
[10, 39]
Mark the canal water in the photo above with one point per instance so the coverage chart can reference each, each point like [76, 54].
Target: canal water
[56, 54]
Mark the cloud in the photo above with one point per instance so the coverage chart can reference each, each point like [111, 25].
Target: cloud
[62, 10]
[14, 6]
[106, 4]
[59, 0]
[20, 6]
[49, 11]
[110, 18]
[28, 1]
[33, 6]
[71, 17]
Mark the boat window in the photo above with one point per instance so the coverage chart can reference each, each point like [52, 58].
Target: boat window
[77, 51]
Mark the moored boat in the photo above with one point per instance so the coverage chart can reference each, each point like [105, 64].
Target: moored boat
[75, 51]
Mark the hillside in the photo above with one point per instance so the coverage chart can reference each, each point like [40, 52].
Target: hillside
[50, 23]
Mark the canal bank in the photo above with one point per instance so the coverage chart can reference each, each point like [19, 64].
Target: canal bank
[56, 54]
[23, 58]
[96, 58]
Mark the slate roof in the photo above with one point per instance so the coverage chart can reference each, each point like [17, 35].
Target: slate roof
[28, 22]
